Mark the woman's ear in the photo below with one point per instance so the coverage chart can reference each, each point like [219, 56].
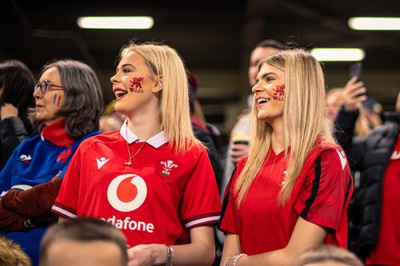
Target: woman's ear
[159, 84]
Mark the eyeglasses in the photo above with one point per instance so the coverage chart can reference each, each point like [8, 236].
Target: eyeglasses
[45, 85]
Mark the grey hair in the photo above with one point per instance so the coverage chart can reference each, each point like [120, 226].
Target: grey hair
[83, 104]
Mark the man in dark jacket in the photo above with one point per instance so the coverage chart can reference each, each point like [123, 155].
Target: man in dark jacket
[377, 157]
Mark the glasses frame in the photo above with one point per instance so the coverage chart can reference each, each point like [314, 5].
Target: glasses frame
[46, 85]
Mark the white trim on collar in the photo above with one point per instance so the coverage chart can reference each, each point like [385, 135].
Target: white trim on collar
[156, 141]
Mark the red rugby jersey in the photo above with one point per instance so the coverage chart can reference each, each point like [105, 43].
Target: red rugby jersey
[320, 195]
[154, 200]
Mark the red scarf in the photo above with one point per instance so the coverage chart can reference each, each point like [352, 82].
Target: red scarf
[56, 134]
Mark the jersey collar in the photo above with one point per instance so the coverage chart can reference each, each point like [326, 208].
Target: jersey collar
[156, 141]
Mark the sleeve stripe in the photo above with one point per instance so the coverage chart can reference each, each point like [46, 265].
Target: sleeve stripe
[202, 221]
[62, 212]
[347, 197]
[314, 189]
[226, 199]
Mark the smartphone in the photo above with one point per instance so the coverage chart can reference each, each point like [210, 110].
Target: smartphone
[355, 70]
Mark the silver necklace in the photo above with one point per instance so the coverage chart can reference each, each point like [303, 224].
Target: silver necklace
[129, 150]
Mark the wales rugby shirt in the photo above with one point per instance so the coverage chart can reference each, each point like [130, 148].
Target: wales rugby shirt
[157, 199]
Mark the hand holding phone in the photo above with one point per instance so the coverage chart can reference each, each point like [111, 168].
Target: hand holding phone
[354, 91]
[355, 70]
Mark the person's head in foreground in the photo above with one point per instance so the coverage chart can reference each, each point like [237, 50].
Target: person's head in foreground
[11, 254]
[326, 255]
[83, 241]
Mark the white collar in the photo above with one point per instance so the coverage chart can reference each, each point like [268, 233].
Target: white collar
[156, 141]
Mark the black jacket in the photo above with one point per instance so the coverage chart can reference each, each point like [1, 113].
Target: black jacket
[12, 132]
[212, 150]
[369, 155]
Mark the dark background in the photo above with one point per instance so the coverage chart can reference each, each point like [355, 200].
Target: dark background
[213, 37]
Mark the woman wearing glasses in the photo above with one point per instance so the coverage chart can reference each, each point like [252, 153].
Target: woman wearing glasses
[69, 103]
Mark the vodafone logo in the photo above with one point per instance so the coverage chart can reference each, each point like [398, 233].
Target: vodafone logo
[127, 192]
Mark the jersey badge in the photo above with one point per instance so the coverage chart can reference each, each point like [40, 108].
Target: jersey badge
[167, 167]
[102, 161]
[25, 158]
[62, 158]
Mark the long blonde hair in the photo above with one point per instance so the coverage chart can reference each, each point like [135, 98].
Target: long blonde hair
[167, 66]
[304, 120]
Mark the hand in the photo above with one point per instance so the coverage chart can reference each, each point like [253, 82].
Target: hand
[238, 151]
[354, 94]
[8, 110]
[153, 254]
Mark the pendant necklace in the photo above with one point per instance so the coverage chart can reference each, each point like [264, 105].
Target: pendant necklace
[129, 150]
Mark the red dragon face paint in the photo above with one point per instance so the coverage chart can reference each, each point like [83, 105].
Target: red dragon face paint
[136, 85]
[56, 99]
[279, 93]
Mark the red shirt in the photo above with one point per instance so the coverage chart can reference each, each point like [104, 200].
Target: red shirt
[387, 249]
[154, 200]
[320, 195]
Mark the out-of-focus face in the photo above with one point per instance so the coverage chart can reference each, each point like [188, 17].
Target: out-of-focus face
[333, 103]
[94, 253]
[269, 93]
[398, 104]
[258, 54]
[49, 102]
[109, 123]
[133, 86]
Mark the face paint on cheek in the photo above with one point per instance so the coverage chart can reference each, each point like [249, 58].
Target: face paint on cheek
[57, 100]
[136, 85]
[279, 93]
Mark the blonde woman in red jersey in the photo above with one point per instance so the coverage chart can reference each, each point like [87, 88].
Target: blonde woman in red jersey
[292, 192]
[152, 179]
